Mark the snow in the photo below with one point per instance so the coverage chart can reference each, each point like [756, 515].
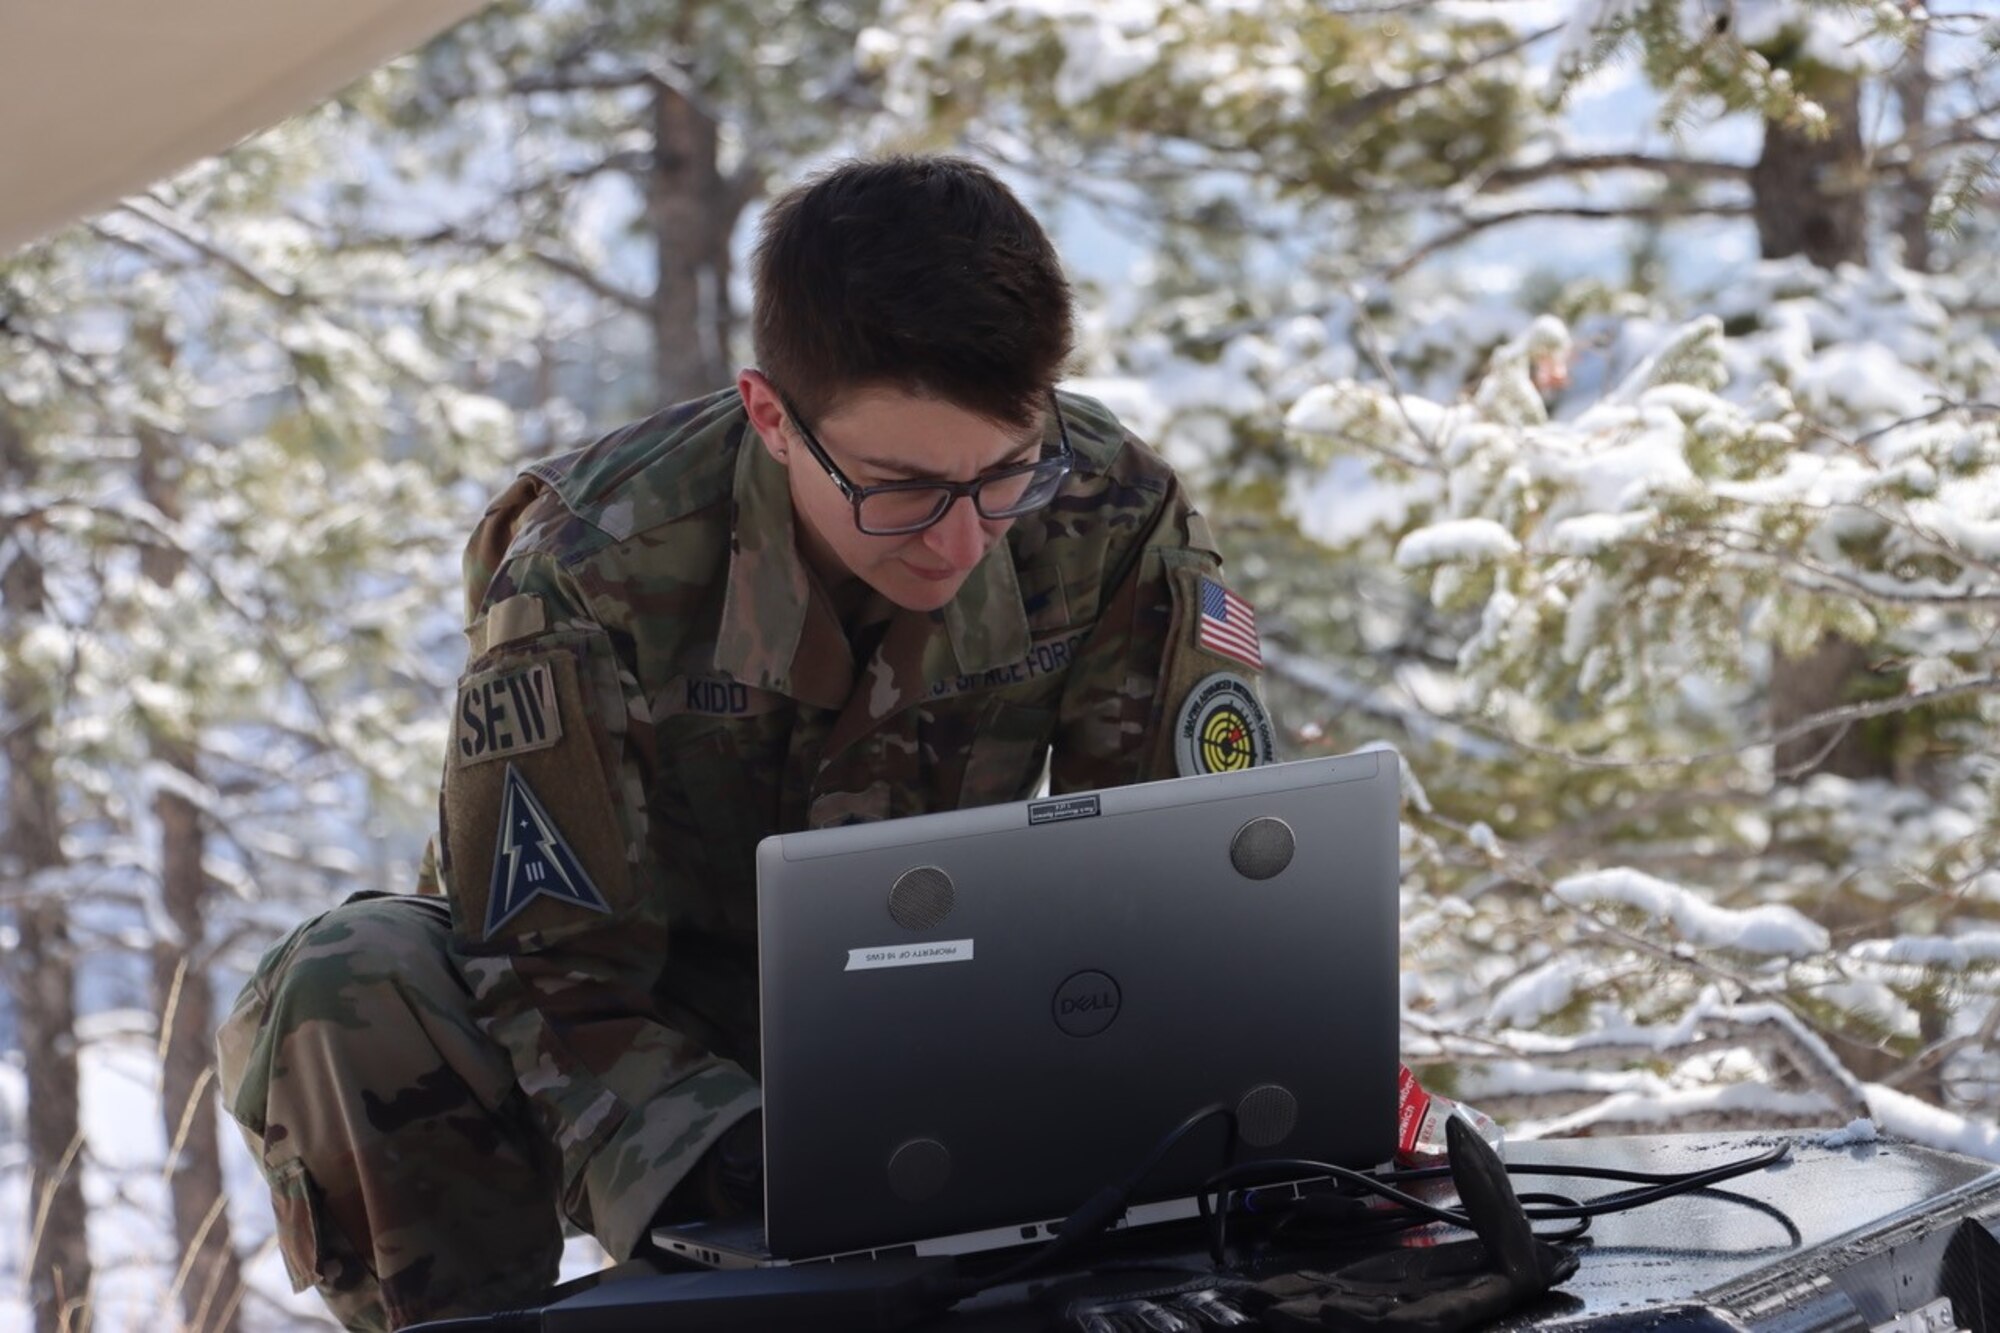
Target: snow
[1873, 1002]
[1956, 954]
[1344, 503]
[1583, 623]
[1098, 55]
[1534, 995]
[1891, 1113]
[1467, 539]
[1616, 458]
[1527, 1078]
[1331, 410]
[1593, 534]
[1767, 929]
[1906, 1117]
[1855, 1132]
[1865, 383]
[1638, 1110]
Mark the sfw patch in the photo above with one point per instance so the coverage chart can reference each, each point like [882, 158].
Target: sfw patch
[1222, 728]
[1228, 626]
[508, 712]
[532, 860]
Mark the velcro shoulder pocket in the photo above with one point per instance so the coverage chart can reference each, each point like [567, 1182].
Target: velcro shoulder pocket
[536, 846]
[1212, 717]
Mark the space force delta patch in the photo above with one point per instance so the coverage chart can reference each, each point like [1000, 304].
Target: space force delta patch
[532, 860]
[1222, 728]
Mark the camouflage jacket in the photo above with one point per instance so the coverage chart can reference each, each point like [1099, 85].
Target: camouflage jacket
[657, 683]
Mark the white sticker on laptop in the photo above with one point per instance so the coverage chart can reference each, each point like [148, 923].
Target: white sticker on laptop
[910, 955]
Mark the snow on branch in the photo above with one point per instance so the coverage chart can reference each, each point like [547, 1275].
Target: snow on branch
[1960, 953]
[1769, 929]
[1634, 538]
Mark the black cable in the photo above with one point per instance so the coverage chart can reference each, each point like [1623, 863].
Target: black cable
[1667, 1189]
[1357, 1222]
[1794, 1238]
[1417, 1212]
[1443, 1172]
[1099, 1211]
[1668, 1183]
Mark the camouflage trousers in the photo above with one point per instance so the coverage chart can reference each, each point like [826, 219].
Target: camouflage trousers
[409, 1179]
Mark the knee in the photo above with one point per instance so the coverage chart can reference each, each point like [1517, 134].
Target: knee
[336, 960]
[342, 977]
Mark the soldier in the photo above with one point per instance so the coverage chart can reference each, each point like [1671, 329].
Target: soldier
[890, 571]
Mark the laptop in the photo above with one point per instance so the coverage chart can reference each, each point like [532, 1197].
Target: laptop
[973, 1021]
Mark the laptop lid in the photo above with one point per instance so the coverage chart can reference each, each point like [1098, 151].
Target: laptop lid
[981, 1017]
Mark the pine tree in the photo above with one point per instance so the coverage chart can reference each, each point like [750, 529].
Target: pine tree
[40, 964]
[636, 135]
[242, 447]
[1574, 678]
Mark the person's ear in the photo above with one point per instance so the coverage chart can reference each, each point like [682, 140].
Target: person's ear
[767, 413]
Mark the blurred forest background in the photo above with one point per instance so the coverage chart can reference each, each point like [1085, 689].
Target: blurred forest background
[1599, 399]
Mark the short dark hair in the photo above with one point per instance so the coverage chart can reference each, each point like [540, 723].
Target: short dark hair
[922, 274]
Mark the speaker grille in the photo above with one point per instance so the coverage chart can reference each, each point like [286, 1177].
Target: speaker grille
[1266, 1115]
[1262, 848]
[921, 898]
[919, 1169]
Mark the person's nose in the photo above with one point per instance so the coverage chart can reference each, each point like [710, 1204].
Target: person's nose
[958, 539]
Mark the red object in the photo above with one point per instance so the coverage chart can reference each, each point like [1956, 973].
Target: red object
[1413, 1106]
[1420, 1119]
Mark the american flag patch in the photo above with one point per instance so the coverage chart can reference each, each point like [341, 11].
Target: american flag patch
[1228, 625]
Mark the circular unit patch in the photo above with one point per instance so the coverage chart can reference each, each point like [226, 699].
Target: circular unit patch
[1222, 728]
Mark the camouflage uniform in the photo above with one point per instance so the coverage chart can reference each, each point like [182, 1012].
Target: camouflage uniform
[657, 682]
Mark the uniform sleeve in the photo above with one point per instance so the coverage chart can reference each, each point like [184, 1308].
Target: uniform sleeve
[560, 925]
[1169, 684]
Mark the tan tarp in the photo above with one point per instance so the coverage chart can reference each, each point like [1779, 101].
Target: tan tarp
[100, 98]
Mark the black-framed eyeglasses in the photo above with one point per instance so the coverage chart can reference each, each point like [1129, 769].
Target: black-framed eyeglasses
[897, 508]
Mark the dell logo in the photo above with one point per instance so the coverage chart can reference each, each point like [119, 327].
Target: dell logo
[1086, 1004]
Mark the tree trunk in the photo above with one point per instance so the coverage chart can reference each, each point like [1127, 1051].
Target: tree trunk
[1823, 679]
[213, 1283]
[1808, 196]
[41, 971]
[1913, 82]
[691, 297]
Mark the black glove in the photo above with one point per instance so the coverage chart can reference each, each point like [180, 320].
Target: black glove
[1190, 1305]
[1439, 1289]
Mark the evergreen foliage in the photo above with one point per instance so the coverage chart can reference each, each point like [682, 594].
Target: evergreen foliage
[1452, 314]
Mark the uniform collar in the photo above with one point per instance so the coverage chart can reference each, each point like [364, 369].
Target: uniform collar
[779, 632]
